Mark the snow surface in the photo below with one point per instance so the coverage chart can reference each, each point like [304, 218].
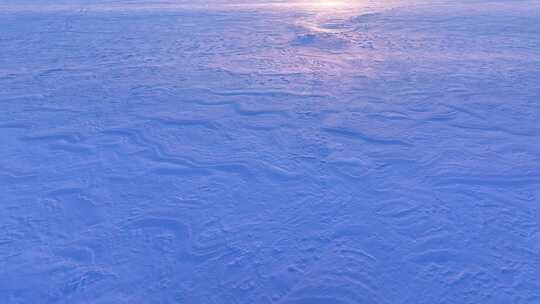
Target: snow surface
[294, 152]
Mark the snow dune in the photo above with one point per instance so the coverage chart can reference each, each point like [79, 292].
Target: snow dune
[217, 152]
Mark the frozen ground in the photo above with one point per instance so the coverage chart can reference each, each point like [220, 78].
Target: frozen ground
[307, 153]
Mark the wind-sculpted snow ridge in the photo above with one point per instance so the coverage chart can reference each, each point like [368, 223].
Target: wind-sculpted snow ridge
[363, 154]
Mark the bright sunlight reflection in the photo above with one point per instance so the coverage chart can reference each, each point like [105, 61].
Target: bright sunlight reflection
[317, 5]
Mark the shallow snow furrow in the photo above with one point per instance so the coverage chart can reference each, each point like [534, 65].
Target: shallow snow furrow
[292, 153]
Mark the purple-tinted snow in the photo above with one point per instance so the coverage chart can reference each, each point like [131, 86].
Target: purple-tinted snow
[330, 152]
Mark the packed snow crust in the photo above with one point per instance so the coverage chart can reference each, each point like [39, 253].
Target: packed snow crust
[332, 152]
